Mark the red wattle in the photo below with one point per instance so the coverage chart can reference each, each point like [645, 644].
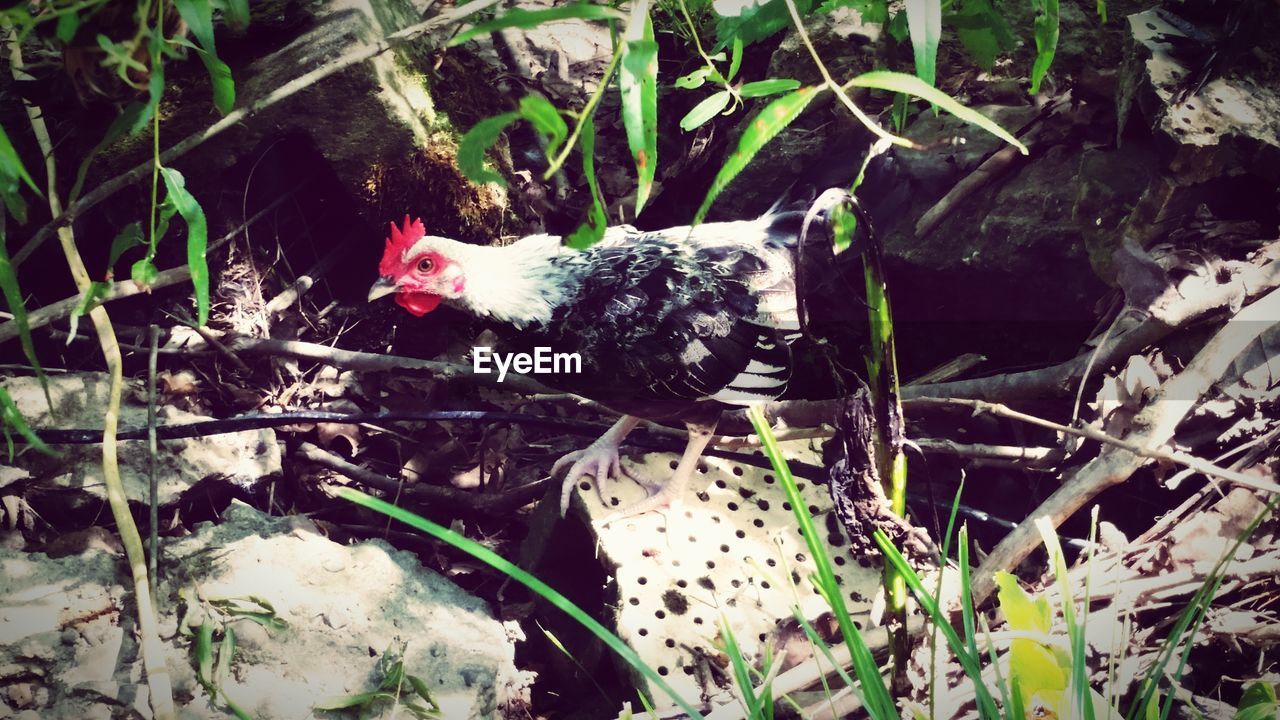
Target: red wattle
[418, 303]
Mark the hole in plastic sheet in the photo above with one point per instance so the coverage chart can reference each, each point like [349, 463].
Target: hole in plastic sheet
[733, 507]
[704, 497]
[735, 583]
[702, 468]
[682, 583]
[771, 562]
[674, 464]
[706, 583]
[613, 501]
[721, 484]
[786, 506]
[800, 557]
[642, 632]
[765, 584]
[762, 637]
[737, 471]
[711, 564]
[813, 510]
[688, 669]
[1209, 130]
[669, 643]
[634, 601]
[768, 479]
[763, 505]
[697, 621]
[799, 487]
[659, 614]
[724, 548]
[758, 523]
[740, 534]
[642, 580]
[838, 560]
[584, 486]
[662, 670]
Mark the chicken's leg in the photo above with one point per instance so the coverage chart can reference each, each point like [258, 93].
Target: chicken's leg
[700, 434]
[599, 460]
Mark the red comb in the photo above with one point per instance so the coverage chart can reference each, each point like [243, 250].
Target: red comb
[403, 238]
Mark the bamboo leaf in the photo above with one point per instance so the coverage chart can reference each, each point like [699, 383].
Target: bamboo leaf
[638, 85]
[912, 85]
[773, 86]
[520, 18]
[11, 167]
[476, 142]
[11, 417]
[129, 236]
[695, 79]
[197, 238]
[90, 299]
[1046, 33]
[198, 15]
[735, 61]
[705, 110]
[771, 120]
[590, 232]
[924, 23]
[18, 308]
[546, 119]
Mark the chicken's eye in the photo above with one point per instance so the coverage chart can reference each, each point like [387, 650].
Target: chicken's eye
[426, 265]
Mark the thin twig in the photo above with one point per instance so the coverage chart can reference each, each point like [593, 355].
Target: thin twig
[63, 308]
[1090, 432]
[1155, 426]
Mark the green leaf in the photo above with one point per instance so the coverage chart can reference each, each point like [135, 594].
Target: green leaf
[144, 273]
[546, 119]
[770, 121]
[68, 24]
[1020, 611]
[638, 85]
[590, 232]
[924, 23]
[11, 167]
[204, 657]
[695, 79]
[898, 27]
[761, 88]
[520, 18]
[755, 20]
[11, 417]
[736, 62]
[129, 236]
[912, 85]
[198, 15]
[197, 238]
[224, 87]
[235, 13]
[1046, 33]
[18, 308]
[89, 299]
[705, 110]
[476, 142]
[1258, 702]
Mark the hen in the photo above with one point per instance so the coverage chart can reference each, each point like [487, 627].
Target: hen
[672, 325]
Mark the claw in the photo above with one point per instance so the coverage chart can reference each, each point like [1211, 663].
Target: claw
[600, 460]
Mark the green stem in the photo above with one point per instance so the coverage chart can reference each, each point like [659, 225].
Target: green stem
[586, 113]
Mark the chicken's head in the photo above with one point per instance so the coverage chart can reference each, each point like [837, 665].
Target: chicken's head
[417, 268]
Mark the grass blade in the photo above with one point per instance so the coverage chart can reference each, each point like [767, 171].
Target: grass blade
[501, 564]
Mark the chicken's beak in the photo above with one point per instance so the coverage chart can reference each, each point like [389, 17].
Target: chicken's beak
[385, 286]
